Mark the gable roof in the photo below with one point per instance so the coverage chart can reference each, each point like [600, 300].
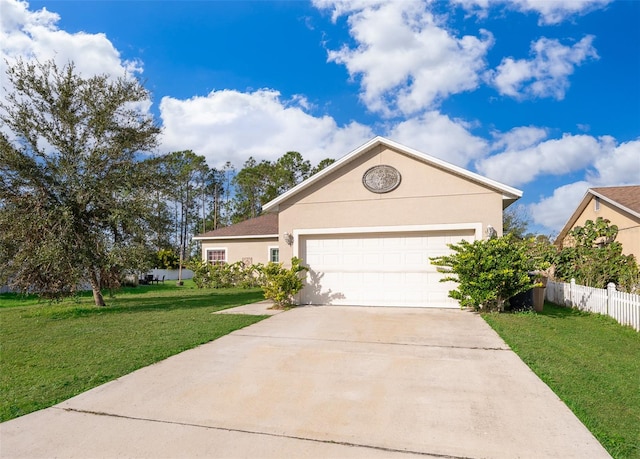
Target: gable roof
[259, 227]
[509, 194]
[625, 198]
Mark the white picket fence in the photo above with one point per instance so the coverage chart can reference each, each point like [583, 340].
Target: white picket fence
[622, 306]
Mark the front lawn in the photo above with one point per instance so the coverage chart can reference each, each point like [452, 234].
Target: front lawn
[590, 361]
[53, 351]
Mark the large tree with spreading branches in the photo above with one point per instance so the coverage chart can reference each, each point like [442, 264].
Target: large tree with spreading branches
[74, 200]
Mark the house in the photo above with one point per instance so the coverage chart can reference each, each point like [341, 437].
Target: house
[366, 226]
[251, 241]
[618, 204]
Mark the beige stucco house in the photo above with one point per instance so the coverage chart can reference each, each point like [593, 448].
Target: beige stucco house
[367, 225]
[618, 204]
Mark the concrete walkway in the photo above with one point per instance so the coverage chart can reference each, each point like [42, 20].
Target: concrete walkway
[326, 382]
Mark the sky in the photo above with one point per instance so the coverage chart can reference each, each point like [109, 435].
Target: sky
[541, 95]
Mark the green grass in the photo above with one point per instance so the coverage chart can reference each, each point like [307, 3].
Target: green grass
[50, 352]
[590, 361]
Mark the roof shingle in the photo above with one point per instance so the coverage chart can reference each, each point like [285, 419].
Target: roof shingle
[626, 196]
[259, 226]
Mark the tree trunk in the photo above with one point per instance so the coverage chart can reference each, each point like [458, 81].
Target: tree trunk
[183, 224]
[180, 267]
[95, 286]
[204, 212]
[215, 207]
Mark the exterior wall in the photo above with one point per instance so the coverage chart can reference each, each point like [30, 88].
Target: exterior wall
[426, 196]
[238, 249]
[628, 225]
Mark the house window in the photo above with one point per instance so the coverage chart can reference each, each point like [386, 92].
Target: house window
[274, 254]
[596, 205]
[217, 256]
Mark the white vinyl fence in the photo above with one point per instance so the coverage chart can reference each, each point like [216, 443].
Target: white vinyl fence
[160, 274]
[624, 307]
[171, 274]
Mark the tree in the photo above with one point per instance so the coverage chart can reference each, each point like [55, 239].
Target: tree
[183, 183]
[515, 221]
[250, 189]
[593, 257]
[322, 165]
[223, 204]
[260, 182]
[167, 259]
[213, 200]
[289, 170]
[488, 272]
[73, 201]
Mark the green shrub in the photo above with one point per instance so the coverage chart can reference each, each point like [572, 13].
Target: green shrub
[200, 270]
[593, 257]
[488, 272]
[167, 259]
[224, 275]
[280, 284]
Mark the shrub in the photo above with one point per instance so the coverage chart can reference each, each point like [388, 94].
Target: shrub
[236, 274]
[594, 258]
[201, 277]
[223, 275]
[488, 272]
[280, 284]
[167, 259]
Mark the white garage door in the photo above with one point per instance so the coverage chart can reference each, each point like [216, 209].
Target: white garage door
[378, 269]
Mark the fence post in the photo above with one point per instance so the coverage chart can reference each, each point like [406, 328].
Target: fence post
[572, 287]
[611, 289]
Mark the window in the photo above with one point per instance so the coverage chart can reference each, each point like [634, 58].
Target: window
[274, 254]
[217, 256]
[596, 205]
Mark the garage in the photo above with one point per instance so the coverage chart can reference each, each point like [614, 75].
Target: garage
[366, 226]
[378, 269]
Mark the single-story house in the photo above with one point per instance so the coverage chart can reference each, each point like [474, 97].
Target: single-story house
[252, 241]
[618, 204]
[366, 226]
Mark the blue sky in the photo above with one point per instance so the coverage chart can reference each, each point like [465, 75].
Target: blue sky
[540, 95]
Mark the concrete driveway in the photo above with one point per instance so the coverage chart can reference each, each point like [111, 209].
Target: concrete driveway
[334, 382]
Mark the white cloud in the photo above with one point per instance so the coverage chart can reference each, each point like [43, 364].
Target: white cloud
[35, 35]
[438, 135]
[620, 166]
[546, 73]
[617, 166]
[556, 11]
[553, 212]
[405, 59]
[31, 35]
[229, 125]
[552, 157]
[550, 11]
[519, 138]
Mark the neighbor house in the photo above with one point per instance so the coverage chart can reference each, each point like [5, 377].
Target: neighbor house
[618, 204]
[366, 226]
